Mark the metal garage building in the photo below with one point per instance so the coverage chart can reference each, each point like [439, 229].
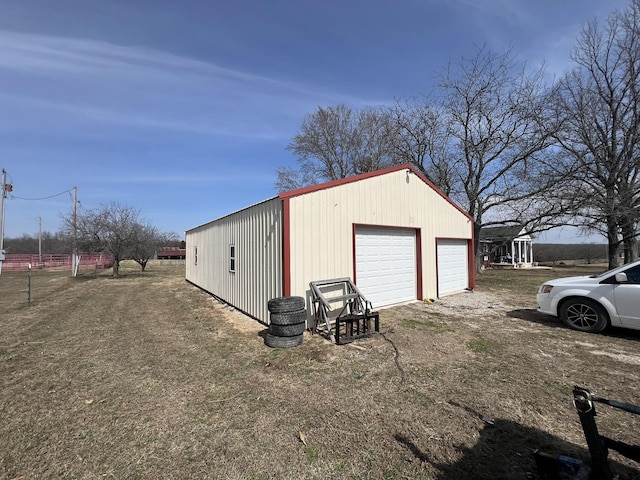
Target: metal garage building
[392, 231]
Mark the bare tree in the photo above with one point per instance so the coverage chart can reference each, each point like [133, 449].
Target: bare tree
[599, 104]
[146, 240]
[421, 137]
[337, 142]
[500, 143]
[111, 228]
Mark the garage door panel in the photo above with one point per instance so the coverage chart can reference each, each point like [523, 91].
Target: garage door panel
[453, 266]
[386, 264]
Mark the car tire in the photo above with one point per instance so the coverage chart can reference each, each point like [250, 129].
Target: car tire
[290, 318]
[584, 315]
[285, 304]
[287, 330]
[283, 342]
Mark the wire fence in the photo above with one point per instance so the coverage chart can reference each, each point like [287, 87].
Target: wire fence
[19, 289]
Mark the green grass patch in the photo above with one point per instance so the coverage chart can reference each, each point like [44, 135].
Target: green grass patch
[411, 323]
[484, 345]
[312, 453]
[430, 325]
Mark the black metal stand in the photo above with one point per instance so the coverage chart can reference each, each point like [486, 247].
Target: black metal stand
[356, 326]
[351, 320]
[599, 445]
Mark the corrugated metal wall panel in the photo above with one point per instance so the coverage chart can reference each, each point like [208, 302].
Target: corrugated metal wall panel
[256, 233]
[322, 225]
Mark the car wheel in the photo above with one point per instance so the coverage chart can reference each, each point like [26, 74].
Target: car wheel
[584, 315]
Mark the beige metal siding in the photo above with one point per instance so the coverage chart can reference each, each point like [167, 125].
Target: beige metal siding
[322, 225]
[256, 233]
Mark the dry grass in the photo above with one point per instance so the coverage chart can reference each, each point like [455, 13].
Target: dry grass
[147, 377]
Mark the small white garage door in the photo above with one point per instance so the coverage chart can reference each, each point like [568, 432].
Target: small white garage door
[453, 268]
[386, 264]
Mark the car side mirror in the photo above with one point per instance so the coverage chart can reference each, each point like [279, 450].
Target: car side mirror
[621, 277]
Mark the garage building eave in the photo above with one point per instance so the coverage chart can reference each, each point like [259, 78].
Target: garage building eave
[229, 214]
[363, 176]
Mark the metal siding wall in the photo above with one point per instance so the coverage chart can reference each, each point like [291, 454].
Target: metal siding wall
[322, 234]
[257, 235]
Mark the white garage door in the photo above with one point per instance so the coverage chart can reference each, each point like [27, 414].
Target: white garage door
[386, 264]
[453, 269]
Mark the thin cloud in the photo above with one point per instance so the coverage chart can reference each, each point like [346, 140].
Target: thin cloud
[240, 177]
[500, 11]
[109, 83]
[80, 88]
[48, 54]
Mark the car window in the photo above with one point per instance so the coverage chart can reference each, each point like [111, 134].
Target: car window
[633, 275]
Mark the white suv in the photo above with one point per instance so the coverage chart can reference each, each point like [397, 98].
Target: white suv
[591, 304]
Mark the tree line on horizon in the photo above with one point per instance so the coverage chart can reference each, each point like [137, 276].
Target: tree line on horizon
[555, 253]
[503, 144]
[113, 228]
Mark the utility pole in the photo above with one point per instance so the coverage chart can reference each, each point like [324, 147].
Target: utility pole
[74, 261]
[40, 241]
[3, 194]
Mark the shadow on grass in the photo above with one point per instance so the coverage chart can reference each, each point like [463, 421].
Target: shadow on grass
[622, 333]
[533, 316]
[505, 450]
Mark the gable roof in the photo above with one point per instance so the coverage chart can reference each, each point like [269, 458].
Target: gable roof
[343, 181]
[376, 173]
[496, 234]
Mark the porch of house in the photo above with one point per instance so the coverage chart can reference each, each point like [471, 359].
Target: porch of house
[506, 248]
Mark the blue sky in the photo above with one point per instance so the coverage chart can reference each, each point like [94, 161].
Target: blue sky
[183, 110]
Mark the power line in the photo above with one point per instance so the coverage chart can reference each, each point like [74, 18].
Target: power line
[42, 198]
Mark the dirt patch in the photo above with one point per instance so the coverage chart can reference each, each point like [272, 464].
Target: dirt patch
[147, 377]
[237, 320]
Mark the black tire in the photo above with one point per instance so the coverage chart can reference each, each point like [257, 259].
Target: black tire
[287, 330]
[282, 342]
[286, 304]
[290, 318]
[584, 315]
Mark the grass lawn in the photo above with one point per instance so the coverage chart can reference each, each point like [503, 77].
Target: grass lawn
[145, 376]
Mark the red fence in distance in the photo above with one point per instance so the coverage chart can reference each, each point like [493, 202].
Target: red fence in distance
[18, 262]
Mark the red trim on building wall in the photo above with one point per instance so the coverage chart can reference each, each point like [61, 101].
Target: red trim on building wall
[286, 254]
[418, 239]
[286, 248]
[419, 292]
[471, 264]
[471, 252]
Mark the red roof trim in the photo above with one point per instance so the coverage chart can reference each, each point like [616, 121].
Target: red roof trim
[286, 248]
[363, 176]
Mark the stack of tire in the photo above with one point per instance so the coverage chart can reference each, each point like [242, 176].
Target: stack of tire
[287, 322]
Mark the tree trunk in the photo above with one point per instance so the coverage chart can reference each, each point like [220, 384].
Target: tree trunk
[476, 247]
[116, 267]
[630, 243]
[613, 242]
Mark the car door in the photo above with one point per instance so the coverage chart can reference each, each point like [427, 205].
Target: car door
[627, 298]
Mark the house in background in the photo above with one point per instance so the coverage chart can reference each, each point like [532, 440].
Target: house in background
[506, 247]
[392, 231]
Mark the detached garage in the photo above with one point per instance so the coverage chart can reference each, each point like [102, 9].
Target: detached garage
[392, 231]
